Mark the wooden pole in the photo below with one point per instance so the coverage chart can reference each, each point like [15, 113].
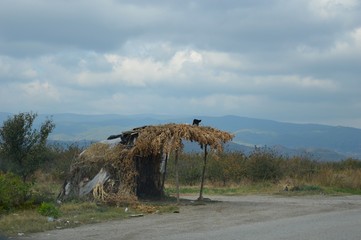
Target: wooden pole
[176, 174]
[203, 173]
[164, 173]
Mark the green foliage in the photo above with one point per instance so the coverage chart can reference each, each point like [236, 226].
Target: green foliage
[349, 163]
[300, 167]
[264, 164]
[13, 191]
[190, 168]
[21, 145]
[58, 160]
[49, 210]
[227, 168]
[310, 188]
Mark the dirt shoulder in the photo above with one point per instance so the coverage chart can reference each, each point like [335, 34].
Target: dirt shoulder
[221, 212]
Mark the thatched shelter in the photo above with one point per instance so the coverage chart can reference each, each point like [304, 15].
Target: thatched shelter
[133, 164]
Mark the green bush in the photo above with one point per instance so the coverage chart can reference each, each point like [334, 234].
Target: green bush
[300, 167]
[49, 210]
[349, 163]
[227, 168]
[59, 159]
[190, 168]
[264, 164]
[22, 145]
[13, 191]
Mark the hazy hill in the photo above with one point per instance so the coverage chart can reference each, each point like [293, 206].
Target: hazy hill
[320, 141]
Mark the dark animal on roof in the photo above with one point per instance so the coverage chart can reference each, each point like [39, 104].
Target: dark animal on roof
[114, 136]
[196, 122]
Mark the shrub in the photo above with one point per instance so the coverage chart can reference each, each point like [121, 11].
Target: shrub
[227, 168]
[59, 160]
[347, 179]
[349, 163]
[264, 164]
[22, 145]
[300, 167]
[49, 210]
[190, 168]
[13, 191]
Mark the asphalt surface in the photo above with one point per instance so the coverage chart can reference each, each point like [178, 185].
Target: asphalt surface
[242, 217]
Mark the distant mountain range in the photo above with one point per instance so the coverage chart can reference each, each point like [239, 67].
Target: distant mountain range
[321, 142]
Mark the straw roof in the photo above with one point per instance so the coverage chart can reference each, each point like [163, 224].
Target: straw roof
[168, 137]
[155, 140]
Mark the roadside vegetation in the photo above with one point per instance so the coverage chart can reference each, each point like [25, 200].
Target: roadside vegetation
[265, 171]
[30, 179]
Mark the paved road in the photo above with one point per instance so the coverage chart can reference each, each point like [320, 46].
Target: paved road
[247, 217]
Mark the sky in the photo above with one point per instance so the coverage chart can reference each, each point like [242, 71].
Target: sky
[284, 60]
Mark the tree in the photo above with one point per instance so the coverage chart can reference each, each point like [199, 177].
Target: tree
[21, 145]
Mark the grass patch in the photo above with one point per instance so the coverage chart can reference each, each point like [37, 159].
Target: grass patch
[244, 189]
[342, 191]
[303, 190]
[311, 188]
[74, 214]
[261, 188]
[88, 212]
[26, 221]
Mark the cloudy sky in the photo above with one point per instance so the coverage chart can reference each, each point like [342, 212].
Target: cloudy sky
[285, 60]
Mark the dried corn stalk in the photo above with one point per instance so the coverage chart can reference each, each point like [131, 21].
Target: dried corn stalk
[141, 143]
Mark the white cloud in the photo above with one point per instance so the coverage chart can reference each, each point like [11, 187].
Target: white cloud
[135, 71]
[40, 91]
[351, 45]
[345, 46]
[226, 60]
[30, 73]
[141, 72]
[298, 83]
[271, 59]
[187, 69]
[332, 8]
[183, 57]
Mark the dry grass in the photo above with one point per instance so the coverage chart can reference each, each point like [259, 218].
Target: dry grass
[347, 178]
[166, 138]
[73, 215]
[154, 140]
[27, 221]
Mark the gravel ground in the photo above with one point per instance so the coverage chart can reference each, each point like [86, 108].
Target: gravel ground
[224, 217]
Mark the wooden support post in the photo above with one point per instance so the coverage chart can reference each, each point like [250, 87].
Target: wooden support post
[203, 173]
[176, 175]
[164, 173]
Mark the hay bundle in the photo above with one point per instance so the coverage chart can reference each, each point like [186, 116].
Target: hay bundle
[166, 138]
